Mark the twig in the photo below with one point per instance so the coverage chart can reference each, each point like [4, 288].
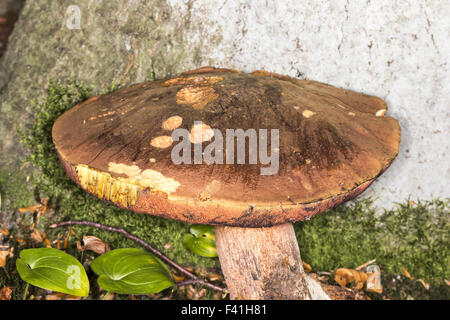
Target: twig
[365, 264]
[147, 246]
[186, 283]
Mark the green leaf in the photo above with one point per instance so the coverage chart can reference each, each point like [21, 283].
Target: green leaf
[203, 231]
[201, 241]
[54, 270]
[131, 271]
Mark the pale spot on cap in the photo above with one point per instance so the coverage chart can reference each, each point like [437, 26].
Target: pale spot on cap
[161, 142]
[197, 97]
[201, 133]
[308, 113]
[172, 123]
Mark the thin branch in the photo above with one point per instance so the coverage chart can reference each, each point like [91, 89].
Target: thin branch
[186, 283]
[147, 246]
[365, 264]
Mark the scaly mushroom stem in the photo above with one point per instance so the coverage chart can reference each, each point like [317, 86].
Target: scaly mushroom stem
[264, 263]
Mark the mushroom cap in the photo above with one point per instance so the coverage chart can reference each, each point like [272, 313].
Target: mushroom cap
[333, 143]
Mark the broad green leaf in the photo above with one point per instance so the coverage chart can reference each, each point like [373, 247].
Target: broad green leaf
[201, 241]
[53, 269]
[131, 271]
[203, 231]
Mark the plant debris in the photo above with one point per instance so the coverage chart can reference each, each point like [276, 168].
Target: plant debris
[93, 244]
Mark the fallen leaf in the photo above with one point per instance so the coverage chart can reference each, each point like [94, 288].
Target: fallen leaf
[306, 267]
[47, 243]
[373, 283]
[61, 296]
[107, 296]
[3, 255]
[36, 235]
[177, 278]
[36, 208]
[66, 239]
[93, 244]
[406, 273]
[344, 276]
[194, 293]
[5, 293]
[425, 285]
[154, 296]
[215, 277]
[3, 230]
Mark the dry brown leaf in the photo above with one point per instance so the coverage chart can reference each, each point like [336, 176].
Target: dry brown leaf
[5, 293]
[58, 241]
[425, 285]
[61, 296]
[344, 276]
[406, 273]
[66, 239]
[36, 208]
[373, 283]
[3, 230]
[36, 235]
[306, 267]
[93, 244]
[3, 255]
[47, 243]
[215, 277]
[110, 296]
[177, 278]
[194, 293]
[21, 240]
[154, 296]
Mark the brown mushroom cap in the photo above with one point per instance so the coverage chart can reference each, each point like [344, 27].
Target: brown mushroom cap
[332, 144]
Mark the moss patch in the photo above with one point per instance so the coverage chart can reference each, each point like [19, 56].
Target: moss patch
[412, 235]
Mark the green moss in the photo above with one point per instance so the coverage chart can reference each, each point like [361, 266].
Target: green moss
[15, 188]
[414, 236]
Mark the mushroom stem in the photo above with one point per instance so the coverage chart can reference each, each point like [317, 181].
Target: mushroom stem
[264, 263]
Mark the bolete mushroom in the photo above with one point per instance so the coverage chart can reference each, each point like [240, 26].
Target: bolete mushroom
[326, 146]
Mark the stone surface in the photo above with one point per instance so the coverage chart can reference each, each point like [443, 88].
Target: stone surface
[397, 51]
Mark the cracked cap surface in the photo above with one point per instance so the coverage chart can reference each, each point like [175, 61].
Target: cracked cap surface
[332, 144]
